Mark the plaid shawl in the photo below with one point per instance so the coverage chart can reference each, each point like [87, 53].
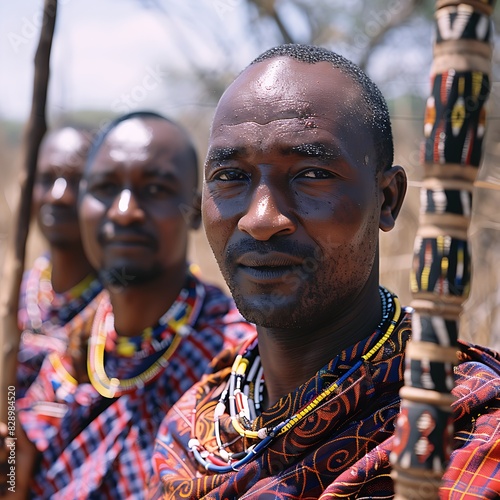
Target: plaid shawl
[342, 449]
[101, 448]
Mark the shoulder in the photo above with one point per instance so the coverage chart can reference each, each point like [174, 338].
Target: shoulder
[477, 377]
[473, 463]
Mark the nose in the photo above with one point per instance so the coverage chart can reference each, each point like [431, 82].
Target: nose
[266, 216]
[125, 209]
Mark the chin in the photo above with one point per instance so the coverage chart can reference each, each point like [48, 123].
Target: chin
[63, 242]
[265, 312]
[127, 275]
[61, 234]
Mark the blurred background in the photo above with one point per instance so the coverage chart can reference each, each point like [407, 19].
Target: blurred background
[176, 57]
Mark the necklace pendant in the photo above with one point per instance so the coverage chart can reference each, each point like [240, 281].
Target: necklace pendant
[245, 421]
[184, 330]
[193, 444]
[262, 433]
[114, 383]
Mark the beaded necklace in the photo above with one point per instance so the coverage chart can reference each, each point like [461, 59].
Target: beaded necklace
[166, 336]
[62, 381]
[243, 396]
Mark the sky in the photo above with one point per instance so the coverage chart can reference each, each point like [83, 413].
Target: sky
[108, 54]
[120, 55]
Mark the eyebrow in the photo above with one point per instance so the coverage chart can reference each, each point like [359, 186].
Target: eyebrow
[223, 154]
[147, 173]
[168, 176]
[314, 150]
[307, 150]
[101, 174]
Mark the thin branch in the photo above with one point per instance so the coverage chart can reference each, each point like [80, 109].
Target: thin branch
[16, 247]
[394, 21]
[268, 8]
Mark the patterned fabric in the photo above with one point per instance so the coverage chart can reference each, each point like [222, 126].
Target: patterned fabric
[474, 470]
[43, 315]
[342, 450]
[101, 448]
[309, 456]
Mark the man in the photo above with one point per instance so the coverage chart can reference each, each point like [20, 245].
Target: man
[59, 294]
[155, 331]
[298, 181]
[61, 283]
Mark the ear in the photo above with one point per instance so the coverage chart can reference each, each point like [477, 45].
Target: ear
[393, 190]
[192, 211]
[195, 212]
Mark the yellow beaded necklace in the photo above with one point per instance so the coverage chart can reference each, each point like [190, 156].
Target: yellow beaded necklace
[177, 319]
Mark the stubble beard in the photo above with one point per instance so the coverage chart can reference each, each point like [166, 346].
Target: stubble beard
[121, 277]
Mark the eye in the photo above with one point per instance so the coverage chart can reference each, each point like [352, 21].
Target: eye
[157, 190]
[45, 179]
[230, 175]
[316, 173]
[104, 189]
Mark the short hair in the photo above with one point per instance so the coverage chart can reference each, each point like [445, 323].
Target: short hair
[190, 154]
[82, 130]
[80, 153]
[378, 114]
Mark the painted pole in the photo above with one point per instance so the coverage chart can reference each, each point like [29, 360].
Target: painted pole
[454, 128]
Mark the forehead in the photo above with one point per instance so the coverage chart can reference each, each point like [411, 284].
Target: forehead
[63, 149]
[283, 88]
[287, 101]
[139, 142]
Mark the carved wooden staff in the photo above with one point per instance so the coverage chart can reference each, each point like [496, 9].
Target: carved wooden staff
[16, 247]
[454, 128]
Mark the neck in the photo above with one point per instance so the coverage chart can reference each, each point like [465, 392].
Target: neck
[291, 357]
[136, 307]
[69, 267]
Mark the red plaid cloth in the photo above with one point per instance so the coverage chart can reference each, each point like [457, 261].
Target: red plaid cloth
[101, 448]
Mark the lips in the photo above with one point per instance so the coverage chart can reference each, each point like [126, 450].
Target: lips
[113, 236]
[51, 215]
[128, 242]
[268, 266]
[269, 259]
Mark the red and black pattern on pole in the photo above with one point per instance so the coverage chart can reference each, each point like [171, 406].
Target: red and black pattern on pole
[454, 127]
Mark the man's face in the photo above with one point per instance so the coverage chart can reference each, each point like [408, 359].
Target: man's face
[55, 192]
[134, 200]
[291, 198]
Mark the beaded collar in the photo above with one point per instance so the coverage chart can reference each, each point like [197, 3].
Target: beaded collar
[243, 393]
[47, 310]
[149, 352]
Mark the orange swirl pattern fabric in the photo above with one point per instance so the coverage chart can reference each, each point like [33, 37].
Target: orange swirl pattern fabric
[302, 462]
[341, 450]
